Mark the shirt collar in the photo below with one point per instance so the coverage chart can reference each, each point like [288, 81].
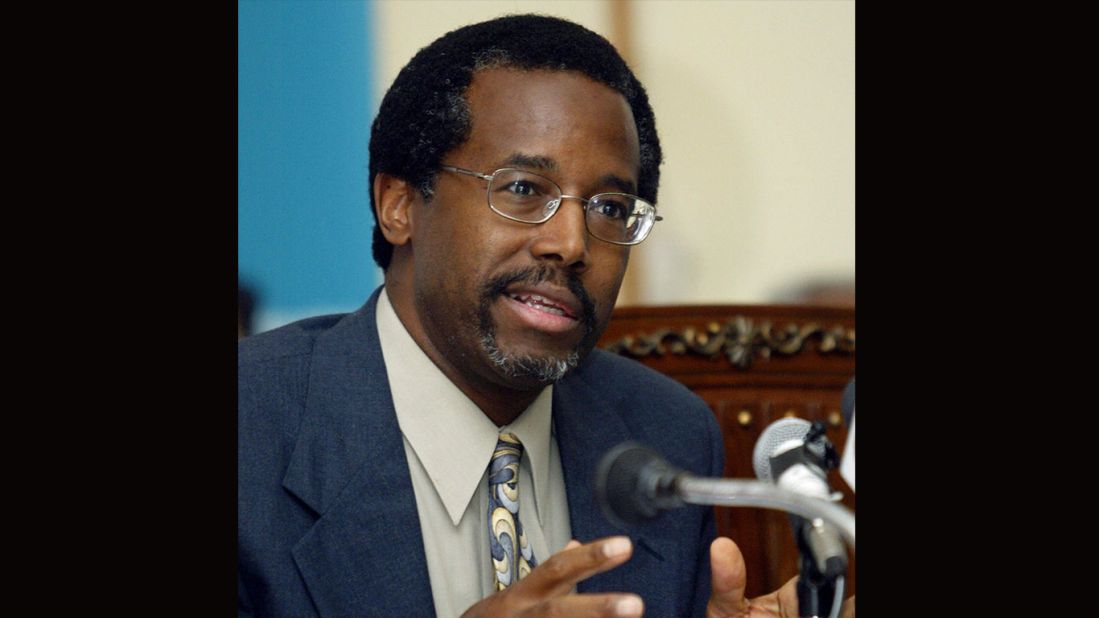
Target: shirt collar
[450, 435]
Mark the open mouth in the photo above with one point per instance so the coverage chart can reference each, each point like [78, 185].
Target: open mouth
[543, 304]
[532, 304]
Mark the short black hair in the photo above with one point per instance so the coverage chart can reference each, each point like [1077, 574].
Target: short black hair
[425, 115]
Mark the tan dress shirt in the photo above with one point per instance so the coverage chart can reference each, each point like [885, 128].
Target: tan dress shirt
[449, 442]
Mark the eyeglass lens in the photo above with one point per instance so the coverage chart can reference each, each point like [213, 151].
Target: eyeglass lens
[532, 198]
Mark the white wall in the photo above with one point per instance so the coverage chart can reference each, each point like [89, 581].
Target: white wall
[755, 106]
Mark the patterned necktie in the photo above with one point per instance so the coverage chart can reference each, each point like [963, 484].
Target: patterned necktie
[511, 560]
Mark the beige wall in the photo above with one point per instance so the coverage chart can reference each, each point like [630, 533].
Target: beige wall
[755, 106]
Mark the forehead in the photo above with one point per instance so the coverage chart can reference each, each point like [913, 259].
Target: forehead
[564, 116]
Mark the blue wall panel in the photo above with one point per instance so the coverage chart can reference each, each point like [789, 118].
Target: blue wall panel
[304, 110]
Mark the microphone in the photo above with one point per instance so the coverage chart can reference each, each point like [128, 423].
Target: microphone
[847, 405]
[634, 484]
[795, 455]
[847, 402]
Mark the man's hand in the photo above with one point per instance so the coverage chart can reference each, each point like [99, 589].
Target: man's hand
[729, 580]
[545, 591]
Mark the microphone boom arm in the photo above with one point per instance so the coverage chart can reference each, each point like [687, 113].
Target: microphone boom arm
[736, 492]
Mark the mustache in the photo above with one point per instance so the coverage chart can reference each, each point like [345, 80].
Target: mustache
[544, 273]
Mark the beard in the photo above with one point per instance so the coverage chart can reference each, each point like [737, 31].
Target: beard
[542, 369]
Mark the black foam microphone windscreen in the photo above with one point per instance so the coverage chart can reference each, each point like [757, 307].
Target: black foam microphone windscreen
[633, 484]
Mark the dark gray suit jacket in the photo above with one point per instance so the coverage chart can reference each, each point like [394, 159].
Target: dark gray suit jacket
[327, 521]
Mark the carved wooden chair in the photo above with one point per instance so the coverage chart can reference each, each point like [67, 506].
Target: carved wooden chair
[752, 365]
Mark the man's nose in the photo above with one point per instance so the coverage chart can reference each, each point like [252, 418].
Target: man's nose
[564, 238]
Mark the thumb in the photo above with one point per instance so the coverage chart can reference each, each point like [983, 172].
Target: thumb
[728, 579]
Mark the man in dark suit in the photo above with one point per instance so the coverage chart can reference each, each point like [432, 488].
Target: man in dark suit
[513, 165]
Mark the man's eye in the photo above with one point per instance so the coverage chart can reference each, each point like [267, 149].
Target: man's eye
[611, 209]
[521, 188]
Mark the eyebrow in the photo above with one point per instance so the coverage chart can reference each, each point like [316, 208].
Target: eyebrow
[548, 164]
[623, 185]
[534, 161]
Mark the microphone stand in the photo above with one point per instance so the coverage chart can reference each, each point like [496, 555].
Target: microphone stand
[820, 585]
[819, 593]
[642, 485]
[742, 492]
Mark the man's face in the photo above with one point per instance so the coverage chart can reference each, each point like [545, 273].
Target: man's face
[509, 303]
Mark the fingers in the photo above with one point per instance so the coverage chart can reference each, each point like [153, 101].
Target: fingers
[590, 606]
[784, 601]
[545, 592]
[576, 562]
[728, 580]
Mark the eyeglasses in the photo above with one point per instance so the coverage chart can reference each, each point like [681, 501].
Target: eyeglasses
[527, 197]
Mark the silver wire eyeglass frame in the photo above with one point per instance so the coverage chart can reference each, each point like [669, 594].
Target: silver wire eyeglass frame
[554, 203]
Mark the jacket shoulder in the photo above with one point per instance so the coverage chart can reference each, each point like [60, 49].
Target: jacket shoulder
[626, 379]
[657, 410]
[273, 375]
[291, 340]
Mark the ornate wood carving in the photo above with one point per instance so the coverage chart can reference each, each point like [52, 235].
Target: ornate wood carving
[739, 339]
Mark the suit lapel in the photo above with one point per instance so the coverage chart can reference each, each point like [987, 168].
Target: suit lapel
[364, 554]
[587, 426]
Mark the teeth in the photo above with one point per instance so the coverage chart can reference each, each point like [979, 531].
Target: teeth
[547, 309]
[538, 302]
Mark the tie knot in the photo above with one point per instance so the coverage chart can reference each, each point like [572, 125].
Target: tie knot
[508, 445]
[504, 466]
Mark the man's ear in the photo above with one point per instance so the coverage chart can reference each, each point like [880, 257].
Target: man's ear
[393, 199]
